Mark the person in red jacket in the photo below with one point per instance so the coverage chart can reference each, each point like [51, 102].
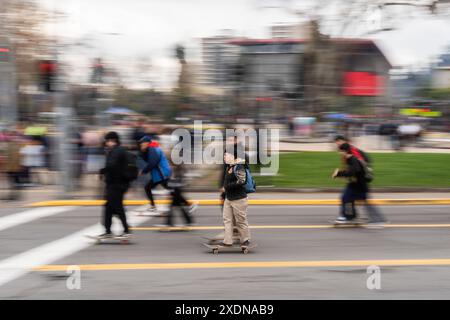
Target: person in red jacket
[358, 153]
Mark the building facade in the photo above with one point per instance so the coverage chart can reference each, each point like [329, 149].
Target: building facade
[336, 67]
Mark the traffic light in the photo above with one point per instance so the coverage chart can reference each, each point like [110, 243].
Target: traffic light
[47, 72]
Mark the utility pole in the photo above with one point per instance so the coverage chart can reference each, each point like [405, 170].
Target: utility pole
[8, 84]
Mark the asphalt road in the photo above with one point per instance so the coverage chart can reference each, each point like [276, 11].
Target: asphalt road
[299, 256]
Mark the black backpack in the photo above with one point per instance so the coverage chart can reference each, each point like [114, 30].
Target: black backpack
[131, 169]
[368, 172]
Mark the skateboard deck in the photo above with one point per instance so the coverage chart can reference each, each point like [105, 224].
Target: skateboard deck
[216, 240]
[350, 224]
[217, 248]
[98, 240]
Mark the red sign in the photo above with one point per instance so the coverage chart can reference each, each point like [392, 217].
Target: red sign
[362, 84]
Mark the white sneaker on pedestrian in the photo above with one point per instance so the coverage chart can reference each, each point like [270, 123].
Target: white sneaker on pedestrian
[148, 211]
[193, 207]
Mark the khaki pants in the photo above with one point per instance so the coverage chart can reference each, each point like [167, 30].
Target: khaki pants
[236, 209]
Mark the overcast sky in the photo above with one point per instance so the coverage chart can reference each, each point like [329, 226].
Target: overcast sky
[122, 30]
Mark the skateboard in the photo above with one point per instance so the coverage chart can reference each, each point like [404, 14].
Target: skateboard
[349, 224]
[122, 240]
[218, 240]
[215, 248]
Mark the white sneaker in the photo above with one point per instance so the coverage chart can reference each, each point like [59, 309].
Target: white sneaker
[341, 220]
[193, 207]
[148, 211]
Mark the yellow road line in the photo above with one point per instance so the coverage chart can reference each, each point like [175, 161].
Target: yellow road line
[250, 264]
[277, 202]
[316, 226]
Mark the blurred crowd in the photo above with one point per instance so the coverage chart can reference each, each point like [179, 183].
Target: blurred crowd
[29, 154]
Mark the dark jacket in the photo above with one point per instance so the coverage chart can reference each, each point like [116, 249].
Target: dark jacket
[236, 146]
[116, 161]
[355, 174]
[234, 182]
[358, 153]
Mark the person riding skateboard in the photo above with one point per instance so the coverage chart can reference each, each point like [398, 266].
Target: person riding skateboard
[116, 184]
[157, 165]
[356, 189]
[236, 201]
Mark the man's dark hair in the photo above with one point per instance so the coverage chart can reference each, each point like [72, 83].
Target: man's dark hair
[340, 137]
[345, 147]
[112, 135]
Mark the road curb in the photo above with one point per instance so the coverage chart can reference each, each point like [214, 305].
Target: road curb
[215, 202]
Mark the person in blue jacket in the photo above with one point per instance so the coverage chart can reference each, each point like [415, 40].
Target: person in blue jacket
[155, 163]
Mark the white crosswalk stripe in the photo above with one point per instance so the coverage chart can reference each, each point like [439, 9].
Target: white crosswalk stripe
[16, 219]
[20, 264]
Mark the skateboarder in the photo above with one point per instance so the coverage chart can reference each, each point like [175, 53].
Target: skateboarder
[236, 201]
[116, 184]
[176, 185]
[358, 153]
[356, 189]
[157, 165]
[237, 148]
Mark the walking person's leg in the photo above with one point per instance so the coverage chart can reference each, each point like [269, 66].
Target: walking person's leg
[348, 210]
[118, 208]
[174, 203]
[183, 201]
[228, 222]
[148, 191]
[240, 215]
[17, 185]
[13, 185]
[374, 214]
[345, 203]
[107, 210]
[179, 201]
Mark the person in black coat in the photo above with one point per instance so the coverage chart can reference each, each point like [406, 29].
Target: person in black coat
[116, 184]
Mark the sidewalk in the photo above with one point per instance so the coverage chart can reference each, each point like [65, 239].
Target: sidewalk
[53, 197]
[367, 143]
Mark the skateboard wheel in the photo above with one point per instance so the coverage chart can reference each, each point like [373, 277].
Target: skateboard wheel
[245, 251]
[215, 251]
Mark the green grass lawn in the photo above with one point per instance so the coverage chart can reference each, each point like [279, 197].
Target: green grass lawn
[313, 169]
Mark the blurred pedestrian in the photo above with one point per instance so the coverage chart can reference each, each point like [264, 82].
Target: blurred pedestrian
[154, 162]
[13, 167]
[358, 153]
[95, 158]
[33, 160]
[236, 201]
[137, 133]
[176, 185]
[357, 189]
[116, 183]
